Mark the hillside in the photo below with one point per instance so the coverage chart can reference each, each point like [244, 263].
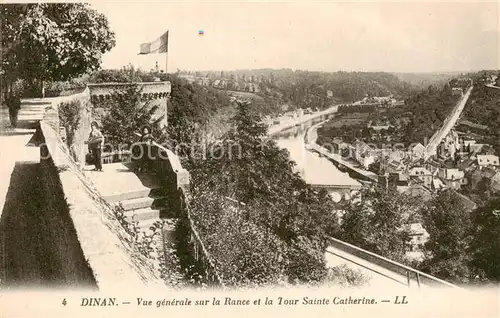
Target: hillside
[483, 107]
[415, 121]
[423, 80]
[306, 89]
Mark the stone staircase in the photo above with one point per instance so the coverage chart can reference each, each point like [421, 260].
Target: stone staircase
[141, 196]
[146, 207]
[143, 206]
[31, 112]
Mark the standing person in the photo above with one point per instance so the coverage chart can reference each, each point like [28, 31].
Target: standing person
[146, 136]
[96, 142]
[14, 104]
[146, 139]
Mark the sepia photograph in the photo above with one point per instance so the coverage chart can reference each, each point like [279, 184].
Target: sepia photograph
[281, 157]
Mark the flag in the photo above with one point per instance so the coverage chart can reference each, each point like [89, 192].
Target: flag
[160, 45]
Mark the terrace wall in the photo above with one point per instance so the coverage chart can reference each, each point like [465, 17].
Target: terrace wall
[156, 92]
[85, 230]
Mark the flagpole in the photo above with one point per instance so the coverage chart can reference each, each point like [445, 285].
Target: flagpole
[166, 77]
[166, 63]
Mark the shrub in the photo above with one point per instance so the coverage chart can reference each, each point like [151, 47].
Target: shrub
[64, 88]
[69, 117]
[128, 112]
[145, 244]
[345, 277]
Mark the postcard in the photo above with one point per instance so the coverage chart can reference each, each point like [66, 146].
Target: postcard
[250, 158]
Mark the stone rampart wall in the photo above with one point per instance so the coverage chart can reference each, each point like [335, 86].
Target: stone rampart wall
[90, 224]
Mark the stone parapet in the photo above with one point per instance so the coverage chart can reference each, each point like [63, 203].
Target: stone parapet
[151, 90]
[155, 92]
[114, 264]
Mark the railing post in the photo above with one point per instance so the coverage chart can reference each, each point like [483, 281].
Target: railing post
[418, 280]
[408, 277]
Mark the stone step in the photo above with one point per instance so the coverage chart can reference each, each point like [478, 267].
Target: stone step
[154, 203]
[127, 195]
[142, 214]
[33, 108]
[31, 112]
[29, 117]
[145, 224]
[137, 203]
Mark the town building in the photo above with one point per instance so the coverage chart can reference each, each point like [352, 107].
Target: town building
[449, 145]
[339, 145]
[487, 160]
[363, 154]
[466, 165]
[438, 184]
[418, 237]
[456, 91]
[204, 81]
[423, 174]
[452, 178]
[394, 165]
[418, 150]
[418, 190]
[190, 78]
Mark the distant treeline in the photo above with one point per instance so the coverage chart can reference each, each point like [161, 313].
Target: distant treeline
[305, 89]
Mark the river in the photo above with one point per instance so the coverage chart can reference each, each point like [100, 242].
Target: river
[315, 170]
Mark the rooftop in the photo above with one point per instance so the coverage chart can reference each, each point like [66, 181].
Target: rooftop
[472, 125]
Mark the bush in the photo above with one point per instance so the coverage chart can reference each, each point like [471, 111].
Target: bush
[54, 89]
[145, 244]
[112, 76]
[69, 117]
[346, 277]
[128, 112]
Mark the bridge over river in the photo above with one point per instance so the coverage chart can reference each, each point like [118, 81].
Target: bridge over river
[94, 240]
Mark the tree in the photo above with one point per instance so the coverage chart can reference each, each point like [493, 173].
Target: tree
[69, 117]
[379, 223]
[248, 168]
[127, 113]
[189, 110]
[449, 226]
[252, 255]
[47, 41]
[485, 245]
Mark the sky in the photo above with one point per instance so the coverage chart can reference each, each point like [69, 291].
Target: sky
[321, 36]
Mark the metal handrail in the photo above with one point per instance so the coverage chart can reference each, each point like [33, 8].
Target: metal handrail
[408, 269]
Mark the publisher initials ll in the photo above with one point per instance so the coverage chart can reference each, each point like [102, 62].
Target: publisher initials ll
[400, 301]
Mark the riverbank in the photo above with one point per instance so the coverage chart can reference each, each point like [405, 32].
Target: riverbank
[288, 122]
[314, 169]
[311, 145]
